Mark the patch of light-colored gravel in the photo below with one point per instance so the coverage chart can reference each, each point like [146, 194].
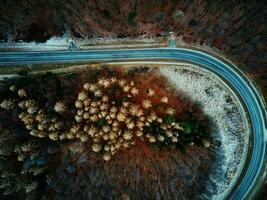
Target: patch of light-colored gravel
[230, 129]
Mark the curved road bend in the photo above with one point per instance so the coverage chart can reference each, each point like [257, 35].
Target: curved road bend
[251, 98]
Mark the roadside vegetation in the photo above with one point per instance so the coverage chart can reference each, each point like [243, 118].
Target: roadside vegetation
[108, 110]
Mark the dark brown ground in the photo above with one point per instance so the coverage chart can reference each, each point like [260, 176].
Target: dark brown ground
[140, 172]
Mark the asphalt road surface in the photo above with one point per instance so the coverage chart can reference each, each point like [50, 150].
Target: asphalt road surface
[253, 173]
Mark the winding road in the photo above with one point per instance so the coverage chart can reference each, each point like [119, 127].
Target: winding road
[253, 102]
